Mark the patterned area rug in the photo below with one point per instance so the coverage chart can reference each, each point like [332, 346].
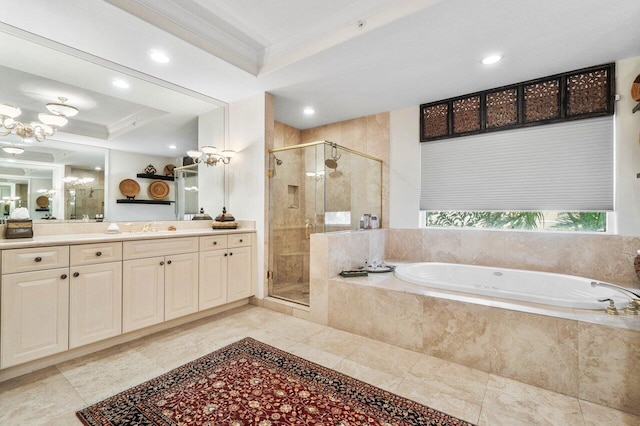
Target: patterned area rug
[251, 383]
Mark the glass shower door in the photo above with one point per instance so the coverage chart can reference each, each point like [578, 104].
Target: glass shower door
[296, 210]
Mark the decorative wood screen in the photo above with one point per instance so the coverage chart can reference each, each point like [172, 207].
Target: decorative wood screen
[573, 95]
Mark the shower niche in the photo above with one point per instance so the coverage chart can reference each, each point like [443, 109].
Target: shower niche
[313, 188]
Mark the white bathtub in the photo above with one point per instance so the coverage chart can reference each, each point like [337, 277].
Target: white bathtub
[539, 287]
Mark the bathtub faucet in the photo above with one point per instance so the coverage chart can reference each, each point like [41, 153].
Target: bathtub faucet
[634, 304]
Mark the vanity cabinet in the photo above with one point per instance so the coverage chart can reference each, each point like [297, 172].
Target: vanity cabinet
[95, 294]
[61, 297]
[224, 275]
[240, 279]
[35, 304]
[159, 288]
[143, 293]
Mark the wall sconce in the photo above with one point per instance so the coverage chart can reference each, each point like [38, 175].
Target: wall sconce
[211, 156]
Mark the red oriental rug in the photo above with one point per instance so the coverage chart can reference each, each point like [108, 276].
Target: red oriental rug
[250, 383]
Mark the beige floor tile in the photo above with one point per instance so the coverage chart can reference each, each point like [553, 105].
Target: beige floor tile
[461, 382]
[381, 356]
[66, 419]
[272, 339]
[369, 375]
[169, 349]
[37, 397]
[511, 403]
[598, 415]
[108, 372]
[252, 316]
[439, 397]
[337, 342]
[294, 328]
[316, 355]
[51, 396]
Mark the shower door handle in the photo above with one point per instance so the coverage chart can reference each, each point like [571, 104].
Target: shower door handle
[308, 230]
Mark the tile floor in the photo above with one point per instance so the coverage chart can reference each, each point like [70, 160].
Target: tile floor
[52, 396]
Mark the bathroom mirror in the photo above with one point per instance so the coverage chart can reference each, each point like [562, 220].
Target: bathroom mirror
[126, 121]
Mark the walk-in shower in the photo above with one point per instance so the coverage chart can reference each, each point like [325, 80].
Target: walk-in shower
[314, 187]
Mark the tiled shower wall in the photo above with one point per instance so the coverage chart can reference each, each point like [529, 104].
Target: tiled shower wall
[370, 135]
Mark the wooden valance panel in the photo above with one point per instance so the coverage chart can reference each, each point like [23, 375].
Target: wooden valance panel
[573, 95]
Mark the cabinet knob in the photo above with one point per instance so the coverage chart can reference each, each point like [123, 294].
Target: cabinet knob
[240, 239]
[161, 263]
[230, 254]
[76, 274]
[38, 259]
[215, 243]
[99, 253]
[225, 254]
[63, 276]
[169, 262]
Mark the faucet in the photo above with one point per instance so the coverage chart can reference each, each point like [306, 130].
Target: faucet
[634, 303]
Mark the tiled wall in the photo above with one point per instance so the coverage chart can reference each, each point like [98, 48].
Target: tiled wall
[602, 257]
[370, 135]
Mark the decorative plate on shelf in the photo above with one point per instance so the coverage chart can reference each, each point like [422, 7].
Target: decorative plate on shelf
[42, 202]
[129, 188]
[158, 190]
[168, 169]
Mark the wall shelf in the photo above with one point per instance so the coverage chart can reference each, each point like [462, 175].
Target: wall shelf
[161, 177]
[128, 201]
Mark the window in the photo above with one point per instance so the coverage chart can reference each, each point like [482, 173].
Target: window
[547, 221]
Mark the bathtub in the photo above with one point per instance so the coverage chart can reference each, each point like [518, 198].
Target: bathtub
[529, 286]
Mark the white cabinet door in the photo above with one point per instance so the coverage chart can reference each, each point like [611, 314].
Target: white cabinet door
[180, 285]
[142, 293]
[213, 279]
[239, 283]
[35, 315]
[95, 303]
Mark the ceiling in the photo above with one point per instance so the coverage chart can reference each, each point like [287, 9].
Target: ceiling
[345, 58]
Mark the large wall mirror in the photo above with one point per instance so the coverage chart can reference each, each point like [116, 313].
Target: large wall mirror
[125, 122]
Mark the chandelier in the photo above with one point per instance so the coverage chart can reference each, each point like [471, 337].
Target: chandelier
[211, 156]
[13, 150]
[76, 181]
[38, 130]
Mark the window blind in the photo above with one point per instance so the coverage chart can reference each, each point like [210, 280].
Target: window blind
[562, 167]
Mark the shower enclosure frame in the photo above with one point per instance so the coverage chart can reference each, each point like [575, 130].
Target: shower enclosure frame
[314, 227]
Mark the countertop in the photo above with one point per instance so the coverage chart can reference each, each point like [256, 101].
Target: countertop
[88, 238]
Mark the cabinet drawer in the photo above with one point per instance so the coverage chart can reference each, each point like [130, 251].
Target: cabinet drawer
[239, 240]
[159, 247]
[88, 254]
[213, 243]
[34, 259]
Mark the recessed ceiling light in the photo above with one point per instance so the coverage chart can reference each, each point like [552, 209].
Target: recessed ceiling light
[159, 56]
[98, 168]
[309, 111]
[491, 59]
[120, 83]
[173, 147]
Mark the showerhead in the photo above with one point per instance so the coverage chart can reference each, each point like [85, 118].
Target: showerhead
[331, 163]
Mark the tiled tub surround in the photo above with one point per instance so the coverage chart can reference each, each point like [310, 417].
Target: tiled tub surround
[585, 354]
